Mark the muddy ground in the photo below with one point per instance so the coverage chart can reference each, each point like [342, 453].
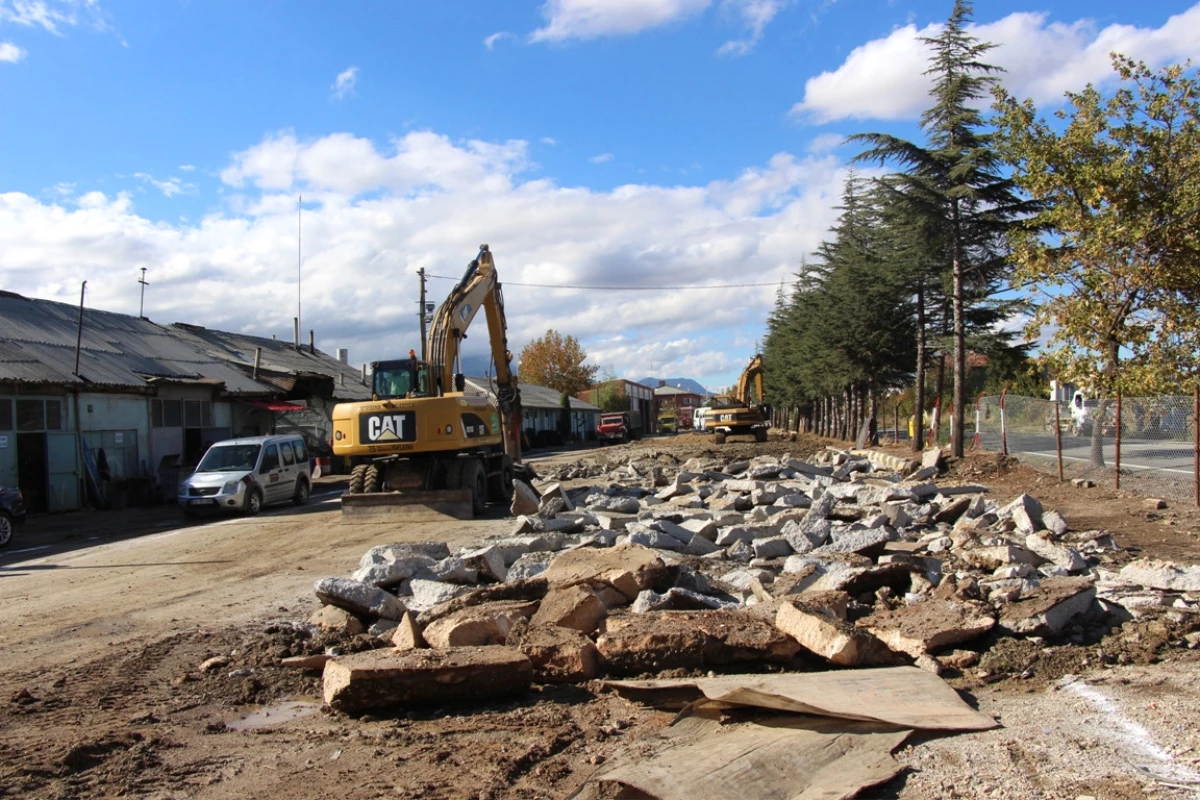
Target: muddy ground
[102, 692]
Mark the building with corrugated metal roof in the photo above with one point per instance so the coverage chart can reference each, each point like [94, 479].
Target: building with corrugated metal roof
[541, 411]
[90, 396]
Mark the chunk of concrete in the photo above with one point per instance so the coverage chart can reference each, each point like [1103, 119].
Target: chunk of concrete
[487, 561]
[830, 638]
[359, 598]
[558, 655]
[529, 565]
[526, 590]
[660, 640]
[387, 567]
[576, 607]
[1047, 610]
[333, 618]
[991, 558]
[930, 625]
[869, 543]
[1026, 512]
[627, 568]
[427, 594]
[387, 678]
[407, 634]
[678, 599]
[526, 500]
[555, 491]
[774, 547]
[477, 626]
[1066, 557]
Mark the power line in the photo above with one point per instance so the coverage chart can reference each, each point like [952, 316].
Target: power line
[624, 288]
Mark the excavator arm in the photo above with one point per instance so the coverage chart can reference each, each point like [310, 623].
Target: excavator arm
[478, 288]
[753, 374]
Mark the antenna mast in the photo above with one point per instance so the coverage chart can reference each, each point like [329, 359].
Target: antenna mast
[299, 209]
[142, 303]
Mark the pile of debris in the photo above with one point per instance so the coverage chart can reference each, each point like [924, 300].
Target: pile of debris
[853, 558]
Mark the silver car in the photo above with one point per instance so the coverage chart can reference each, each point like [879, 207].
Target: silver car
[243, 475]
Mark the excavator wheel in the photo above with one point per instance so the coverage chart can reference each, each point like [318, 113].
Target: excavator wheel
[454, 471]
[500, 485]
[719, 437]
[474, 477]
[371, 479]
[356, 479]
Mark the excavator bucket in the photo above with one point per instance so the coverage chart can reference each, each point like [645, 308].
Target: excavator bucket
[407, 506]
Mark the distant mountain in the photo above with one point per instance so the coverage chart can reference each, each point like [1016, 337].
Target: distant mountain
[687, 384]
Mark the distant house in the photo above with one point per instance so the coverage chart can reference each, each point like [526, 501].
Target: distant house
[106, 395]
[681, 401]
[640, 398]
[541, 410]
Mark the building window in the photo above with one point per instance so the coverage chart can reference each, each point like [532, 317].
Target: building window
[54, 415]
[6, 415]
[31, 415]
[165, 413]
[197, 414]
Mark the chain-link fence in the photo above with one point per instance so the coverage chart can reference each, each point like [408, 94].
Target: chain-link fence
[1153, 450]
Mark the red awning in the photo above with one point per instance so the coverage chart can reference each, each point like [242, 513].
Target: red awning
[275, 405]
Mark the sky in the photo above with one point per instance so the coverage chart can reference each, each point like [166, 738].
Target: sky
[647, 173]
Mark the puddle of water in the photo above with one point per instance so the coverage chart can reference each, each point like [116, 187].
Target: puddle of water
[275, 715]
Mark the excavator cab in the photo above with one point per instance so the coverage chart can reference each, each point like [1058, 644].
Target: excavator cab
[406, 377]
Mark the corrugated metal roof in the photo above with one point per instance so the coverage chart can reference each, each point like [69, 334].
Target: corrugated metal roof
[38, 345]
[532, 396]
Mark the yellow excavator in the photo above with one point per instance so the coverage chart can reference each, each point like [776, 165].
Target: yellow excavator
[421, 442]
[738, 414]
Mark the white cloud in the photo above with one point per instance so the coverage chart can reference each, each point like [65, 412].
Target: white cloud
[375, 213]
[603, 158]
[883, 79]
[826, 142]
[591, 19]
[549, 140]
[756, 15]
[10, 53]
[187, 168]
[170, 187]
[490, 41]
[343, 85]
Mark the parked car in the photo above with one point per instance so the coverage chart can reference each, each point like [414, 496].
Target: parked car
[243, 475]
[12, 513]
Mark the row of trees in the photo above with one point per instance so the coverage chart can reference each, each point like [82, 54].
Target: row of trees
[1094, 217]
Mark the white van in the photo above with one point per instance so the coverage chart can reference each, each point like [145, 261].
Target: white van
[243, 475]
[698, 420]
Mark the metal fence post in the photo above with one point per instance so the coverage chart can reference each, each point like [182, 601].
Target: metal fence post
[1117, 457]
[1058, 441]
[1003, 427]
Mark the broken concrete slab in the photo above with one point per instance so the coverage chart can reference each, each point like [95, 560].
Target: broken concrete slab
[930, 625]
[486, 624]
[558, 654]
[627, 568]
[831, 638]
[576, 607]
[678, 599]
[1066, 557]
[529, 565]
[334, 618]
[1047, 610]
[636, 643]
[1162, 575]
[428, 594]
[529, 589]
[389, 566]
[359, 598]
[388, 678]
[525, 500]
[488, 561]
[869, 543]
[407, 634]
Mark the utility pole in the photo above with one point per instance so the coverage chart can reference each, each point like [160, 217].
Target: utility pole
[142, 304]
[79, 331]
[422, 313]
[299, 209]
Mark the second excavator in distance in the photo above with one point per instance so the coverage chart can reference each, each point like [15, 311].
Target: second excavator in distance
[739, 415]
[422, 442]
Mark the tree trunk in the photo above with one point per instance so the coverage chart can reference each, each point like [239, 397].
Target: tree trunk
[919, 388]
[960, 339]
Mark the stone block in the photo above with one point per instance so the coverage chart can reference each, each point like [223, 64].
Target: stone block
[627, 568]
[487, 561]
[869, 543]
[836, 641]
[773, 547]
[576, 607]
[388, 567]
[477, 626]
[930, 625]
[1048, 609]
[359, 598]
[427, 594]
[1061, 556]
[407, 634]
[699, 546]
[661, 640]
[678, 599]
[558, 655]
[333, 618]
[526, 500]
[388, 678]
[555, 491]
[529, 565]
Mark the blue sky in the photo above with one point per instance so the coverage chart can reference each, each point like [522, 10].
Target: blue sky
[631, 143]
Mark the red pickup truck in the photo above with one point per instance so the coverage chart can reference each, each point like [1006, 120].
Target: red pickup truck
[619, 426]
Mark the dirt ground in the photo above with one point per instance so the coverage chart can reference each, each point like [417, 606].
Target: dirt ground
[102, 693]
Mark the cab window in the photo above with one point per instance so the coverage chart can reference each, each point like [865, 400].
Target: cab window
[270, 459]
[289, 458]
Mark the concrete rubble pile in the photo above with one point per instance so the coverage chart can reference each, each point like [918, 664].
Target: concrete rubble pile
[852, 558]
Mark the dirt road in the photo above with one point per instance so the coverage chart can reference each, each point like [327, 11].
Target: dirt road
[103, 694]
